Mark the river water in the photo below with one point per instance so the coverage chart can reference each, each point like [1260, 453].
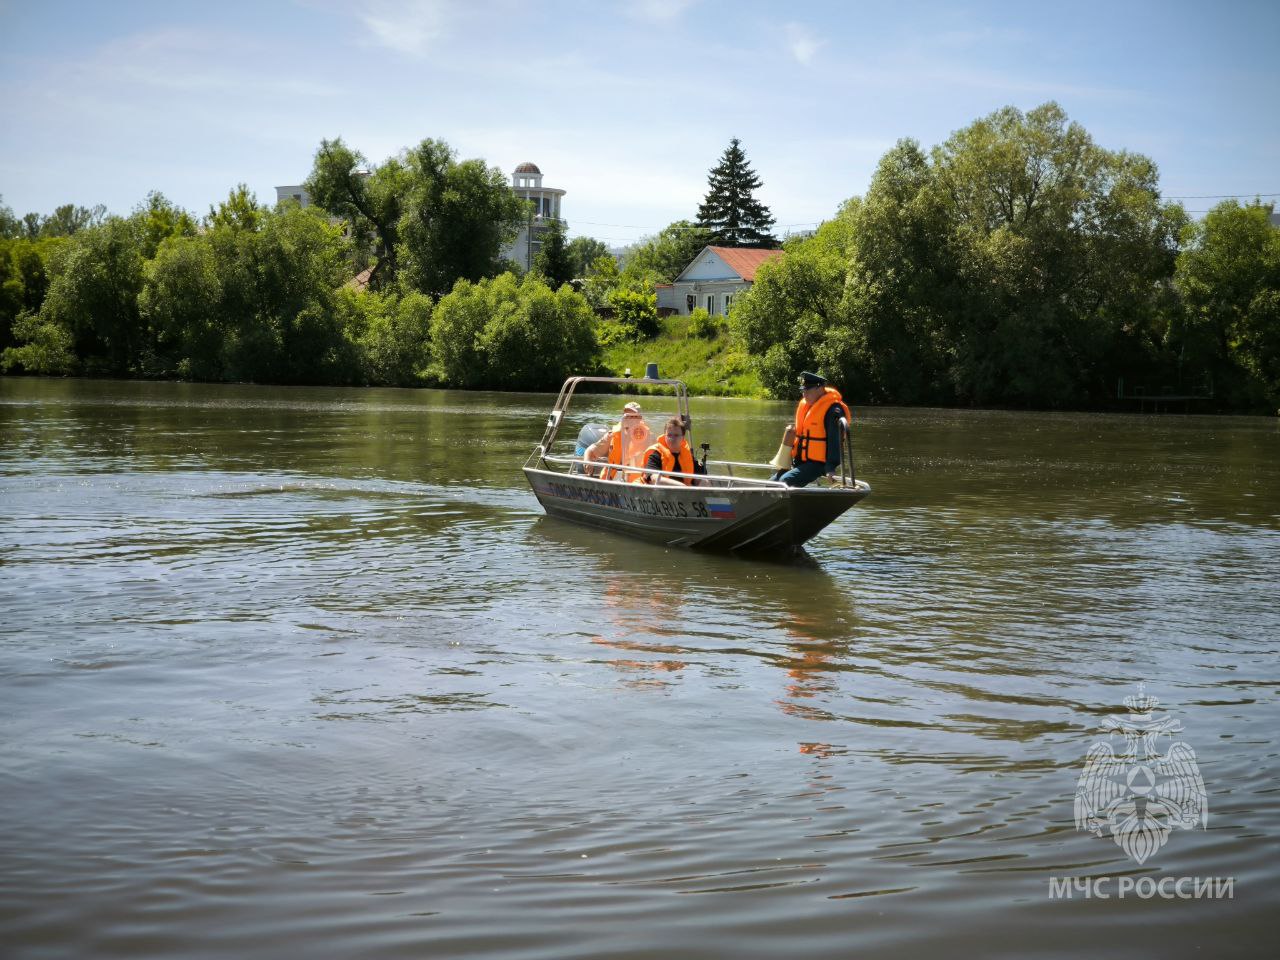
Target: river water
[306, 672]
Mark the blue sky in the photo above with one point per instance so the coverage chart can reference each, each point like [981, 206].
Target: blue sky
[624, 105]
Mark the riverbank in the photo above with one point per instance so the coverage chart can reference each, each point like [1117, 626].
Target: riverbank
[710, 366]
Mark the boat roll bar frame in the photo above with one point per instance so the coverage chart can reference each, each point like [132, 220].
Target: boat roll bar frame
[554, 420]
[570, 385]
[848, 479]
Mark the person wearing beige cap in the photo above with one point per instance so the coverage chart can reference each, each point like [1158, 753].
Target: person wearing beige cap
[624, 445]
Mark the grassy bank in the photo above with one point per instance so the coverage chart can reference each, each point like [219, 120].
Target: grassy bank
[710, 367]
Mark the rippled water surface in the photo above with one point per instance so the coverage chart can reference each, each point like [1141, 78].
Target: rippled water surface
[305, 672]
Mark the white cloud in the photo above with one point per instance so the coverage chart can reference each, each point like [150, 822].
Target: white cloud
[409, 26]
[801, 43]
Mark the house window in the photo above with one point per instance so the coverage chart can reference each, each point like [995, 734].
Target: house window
[711, 303]
[728, 299]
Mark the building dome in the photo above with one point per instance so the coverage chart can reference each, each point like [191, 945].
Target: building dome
[527, 167]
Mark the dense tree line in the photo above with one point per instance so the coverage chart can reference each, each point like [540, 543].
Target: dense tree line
[1016, 264]
[1021, 264]
[258, 294]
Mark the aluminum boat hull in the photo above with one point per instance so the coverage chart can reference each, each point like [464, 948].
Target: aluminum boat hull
[734, 519]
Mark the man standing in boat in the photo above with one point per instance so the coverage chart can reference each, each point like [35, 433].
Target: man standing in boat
[814, 438]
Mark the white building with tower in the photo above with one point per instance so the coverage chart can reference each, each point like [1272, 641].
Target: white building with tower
[526, 183]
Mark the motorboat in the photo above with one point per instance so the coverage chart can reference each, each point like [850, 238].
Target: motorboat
[727, 509]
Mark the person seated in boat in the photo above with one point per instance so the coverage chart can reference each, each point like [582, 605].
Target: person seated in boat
[814, 437]
[623, 446]
[672, 454]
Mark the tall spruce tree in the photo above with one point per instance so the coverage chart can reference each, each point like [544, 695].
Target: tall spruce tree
[735, 217]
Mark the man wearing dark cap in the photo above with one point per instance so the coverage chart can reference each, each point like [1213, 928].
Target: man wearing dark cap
[814, 438]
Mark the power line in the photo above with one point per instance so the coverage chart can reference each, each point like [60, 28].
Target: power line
[1223, 196]
[692, 226]
[817, 223]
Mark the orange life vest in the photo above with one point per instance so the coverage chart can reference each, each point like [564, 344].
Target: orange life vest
[811, 426]
[616, 444]
[681, 461]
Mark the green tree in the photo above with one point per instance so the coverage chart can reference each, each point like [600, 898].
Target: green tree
[69, 219]
[279, 273]
[661, 258]
[550, 336]
[1229, 278]
[370, 200]
[253, 297]
[11, 292]
[553, 261]
[458, 215]
[636, 312]
[506, 333]
[158, 219]
[10, 225]
[1018, 263]
[730, 210]
[181, 303]
[93, 297]
[44, 347]
[703, 325]
[24, 279]
[457, 324]
[584, 252]
[65, 221]
[392, 334]
[1062, 245]
[240, 212]
[602, 279]
[791, 319]
[890, 344]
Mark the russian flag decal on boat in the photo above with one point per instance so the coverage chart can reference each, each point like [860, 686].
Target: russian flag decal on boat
[720, 509]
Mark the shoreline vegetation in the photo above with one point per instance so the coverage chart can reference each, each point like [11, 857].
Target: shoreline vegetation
[1016, 265]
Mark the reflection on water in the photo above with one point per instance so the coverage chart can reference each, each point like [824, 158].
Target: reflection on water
[306, 671]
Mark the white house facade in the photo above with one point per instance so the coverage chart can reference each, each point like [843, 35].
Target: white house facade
[713, 279]
[295, 192]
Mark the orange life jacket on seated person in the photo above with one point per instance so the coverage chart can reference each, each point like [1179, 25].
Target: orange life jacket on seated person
[679, 462]
[811, 426]
[616, 444]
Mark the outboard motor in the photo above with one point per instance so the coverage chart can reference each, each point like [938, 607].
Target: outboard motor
[586, 437]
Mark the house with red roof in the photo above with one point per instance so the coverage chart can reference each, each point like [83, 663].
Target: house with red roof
[713, 279]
